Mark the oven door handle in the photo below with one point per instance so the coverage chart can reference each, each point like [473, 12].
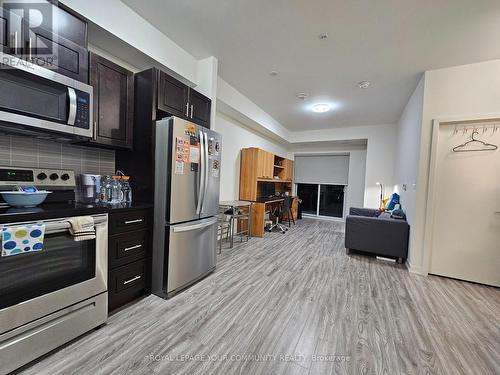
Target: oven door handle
[52, 227]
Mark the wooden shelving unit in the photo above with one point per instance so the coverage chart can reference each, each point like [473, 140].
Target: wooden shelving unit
[259, 168]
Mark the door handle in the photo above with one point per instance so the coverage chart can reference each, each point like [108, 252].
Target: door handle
[72, 106]
[131, 280]
[29, 49]
[187, 110]
[205, 141]
[15, 42]
[201, 186]
[187, 228]
[192, 109]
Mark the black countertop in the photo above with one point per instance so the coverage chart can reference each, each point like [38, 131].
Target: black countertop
[61, 210]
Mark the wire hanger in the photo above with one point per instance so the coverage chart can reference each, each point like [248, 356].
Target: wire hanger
[486, 146]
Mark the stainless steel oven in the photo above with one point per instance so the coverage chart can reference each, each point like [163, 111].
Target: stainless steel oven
[51, 296]
[36, 100]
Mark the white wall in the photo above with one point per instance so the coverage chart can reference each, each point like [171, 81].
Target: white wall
[247, 112]
[408, 154]
[236, 136]
[380, 153]
[458, 92]
[357, 168]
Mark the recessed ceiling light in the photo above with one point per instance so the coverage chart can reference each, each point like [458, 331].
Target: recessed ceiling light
[363, 84]
[320, 108]
[323, 36]
[273, 73]
[302, 95]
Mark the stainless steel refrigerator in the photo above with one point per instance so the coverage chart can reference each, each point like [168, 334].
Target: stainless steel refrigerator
[187, 175]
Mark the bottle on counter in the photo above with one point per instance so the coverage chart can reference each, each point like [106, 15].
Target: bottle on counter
[105, 191]
[116, 190]
[126, 189]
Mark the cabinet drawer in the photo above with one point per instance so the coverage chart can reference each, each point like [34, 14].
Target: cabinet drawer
[120, 222]
[127, 247]
[126, 283]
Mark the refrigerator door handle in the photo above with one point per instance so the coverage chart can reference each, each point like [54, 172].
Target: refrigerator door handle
[187, 228]
[207, 162]
[201, 187]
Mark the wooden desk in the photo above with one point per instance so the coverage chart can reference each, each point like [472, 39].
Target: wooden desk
[259, 213]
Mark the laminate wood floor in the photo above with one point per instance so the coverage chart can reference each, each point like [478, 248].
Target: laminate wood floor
[297, 304]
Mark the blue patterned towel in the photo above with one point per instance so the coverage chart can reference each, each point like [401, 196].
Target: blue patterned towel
[22, 239]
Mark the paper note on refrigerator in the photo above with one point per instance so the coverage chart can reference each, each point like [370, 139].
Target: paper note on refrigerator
[182, 149]
[194, 153]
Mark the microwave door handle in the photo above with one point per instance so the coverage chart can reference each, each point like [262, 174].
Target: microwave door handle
[72, 106]
[201, 174]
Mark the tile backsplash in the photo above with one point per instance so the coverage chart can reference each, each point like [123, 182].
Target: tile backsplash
[21, 151]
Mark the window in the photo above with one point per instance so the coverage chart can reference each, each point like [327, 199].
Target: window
[321, 199]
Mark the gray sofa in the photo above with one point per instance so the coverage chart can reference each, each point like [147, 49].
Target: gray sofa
[367, 232]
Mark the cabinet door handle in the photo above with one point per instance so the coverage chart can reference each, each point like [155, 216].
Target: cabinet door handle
[132, 247]
[192, 108]
[187, 109]
[134, 221]
[131, 280]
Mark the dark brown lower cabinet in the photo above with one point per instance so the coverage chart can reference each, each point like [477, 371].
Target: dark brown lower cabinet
[129, 256]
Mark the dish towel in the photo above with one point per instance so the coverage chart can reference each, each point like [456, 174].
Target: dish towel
[82, 228]
[22, 239]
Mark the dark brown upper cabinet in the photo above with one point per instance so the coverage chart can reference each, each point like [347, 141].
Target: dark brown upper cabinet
[70, 59]
[178, 99]
[57, 42]
[172, 96]
[12, 31]
[113, 103]
[199, 108]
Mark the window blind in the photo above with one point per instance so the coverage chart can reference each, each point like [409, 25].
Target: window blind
[322, 169]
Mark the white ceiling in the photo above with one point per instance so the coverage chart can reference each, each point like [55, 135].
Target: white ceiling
[388, 42]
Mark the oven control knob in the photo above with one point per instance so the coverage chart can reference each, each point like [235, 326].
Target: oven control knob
[54, 176]
[41, 176]
[65, 177]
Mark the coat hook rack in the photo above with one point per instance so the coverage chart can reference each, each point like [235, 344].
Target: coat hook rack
[484, 146]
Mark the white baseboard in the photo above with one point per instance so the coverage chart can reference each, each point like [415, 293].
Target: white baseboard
[412, 268]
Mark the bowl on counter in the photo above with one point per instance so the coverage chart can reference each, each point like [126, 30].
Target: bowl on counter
[24, 199]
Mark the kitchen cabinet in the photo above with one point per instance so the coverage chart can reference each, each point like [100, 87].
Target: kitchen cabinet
[11, 33]
[178, 99]
[113, 103]
[199, 108]
[129, 256]
[288, 164]
[58, 42]
[66, 57]
[173, 96]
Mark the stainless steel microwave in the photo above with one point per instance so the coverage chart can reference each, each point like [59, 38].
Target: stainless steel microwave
[36, 100]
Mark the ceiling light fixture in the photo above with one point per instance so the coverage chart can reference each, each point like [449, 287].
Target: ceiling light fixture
[363, 84]
[302, 95]
[320, 108]
[273, 73]
[323, 36]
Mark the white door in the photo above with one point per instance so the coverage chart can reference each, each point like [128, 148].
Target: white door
[466, 231]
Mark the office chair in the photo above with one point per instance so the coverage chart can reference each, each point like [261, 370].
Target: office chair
[280, 212]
